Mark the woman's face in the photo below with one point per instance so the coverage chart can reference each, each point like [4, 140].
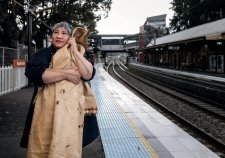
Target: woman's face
[60, 37]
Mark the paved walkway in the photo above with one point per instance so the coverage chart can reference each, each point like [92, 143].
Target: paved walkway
[13, 110]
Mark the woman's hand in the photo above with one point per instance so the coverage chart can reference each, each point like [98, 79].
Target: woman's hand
[73, 45]
[73, 75]
[85, 68]
[76, 48]
[53, 75]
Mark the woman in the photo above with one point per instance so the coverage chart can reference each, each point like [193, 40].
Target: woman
[43, 134]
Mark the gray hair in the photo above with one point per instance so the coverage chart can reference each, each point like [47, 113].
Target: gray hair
[64, 25]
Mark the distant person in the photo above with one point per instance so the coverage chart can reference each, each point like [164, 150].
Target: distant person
[54, 125]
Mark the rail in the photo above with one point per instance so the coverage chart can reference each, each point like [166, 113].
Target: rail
[12, 79]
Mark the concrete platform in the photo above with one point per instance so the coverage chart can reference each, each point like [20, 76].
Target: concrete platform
[165, 138]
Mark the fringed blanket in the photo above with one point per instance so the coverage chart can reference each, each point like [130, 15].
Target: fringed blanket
[57, 125]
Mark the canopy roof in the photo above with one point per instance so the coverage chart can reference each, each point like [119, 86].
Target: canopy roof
[209, 31]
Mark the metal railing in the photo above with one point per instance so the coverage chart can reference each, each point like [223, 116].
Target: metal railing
[12, 79]
[7, 55]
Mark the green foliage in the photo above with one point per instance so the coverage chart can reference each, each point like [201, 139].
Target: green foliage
[190, 13]
[45, 13]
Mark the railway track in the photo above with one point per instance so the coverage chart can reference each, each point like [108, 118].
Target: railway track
[204, 118]
[204, 90]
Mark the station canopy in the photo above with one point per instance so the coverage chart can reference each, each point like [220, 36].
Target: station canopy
[210, 31]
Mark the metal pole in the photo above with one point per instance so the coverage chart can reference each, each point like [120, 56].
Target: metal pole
[29, 35]
[29, 38]
[3, 57]
[154, 36]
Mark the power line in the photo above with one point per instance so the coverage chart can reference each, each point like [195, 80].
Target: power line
[32, 12]
[201, 1]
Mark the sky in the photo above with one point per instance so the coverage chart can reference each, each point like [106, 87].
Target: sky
[126, 16]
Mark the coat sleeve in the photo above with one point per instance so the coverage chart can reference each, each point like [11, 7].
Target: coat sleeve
[93, 74]
[37, 65]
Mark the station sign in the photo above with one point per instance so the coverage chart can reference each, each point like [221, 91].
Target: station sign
[19, 63]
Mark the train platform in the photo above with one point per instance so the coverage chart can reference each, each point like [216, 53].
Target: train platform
[209, 76]
[128, 125]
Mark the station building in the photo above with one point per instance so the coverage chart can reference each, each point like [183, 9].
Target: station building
[198, 48]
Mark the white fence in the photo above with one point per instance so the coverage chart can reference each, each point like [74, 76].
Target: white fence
[12, 79]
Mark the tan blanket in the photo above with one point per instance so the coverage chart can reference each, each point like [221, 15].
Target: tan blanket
[57, 125]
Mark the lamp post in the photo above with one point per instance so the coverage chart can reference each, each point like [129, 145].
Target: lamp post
[29, 32]
[29, 24]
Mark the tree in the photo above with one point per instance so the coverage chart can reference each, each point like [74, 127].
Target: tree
[8, 15]
[190, 13]
[45, 13]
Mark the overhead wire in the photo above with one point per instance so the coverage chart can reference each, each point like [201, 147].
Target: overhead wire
[188, 10]
[33, 13]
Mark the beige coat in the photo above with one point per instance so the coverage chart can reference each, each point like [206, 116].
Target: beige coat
[57, 125]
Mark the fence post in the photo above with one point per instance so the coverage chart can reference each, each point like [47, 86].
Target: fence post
[3, 57]
[1, 80]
